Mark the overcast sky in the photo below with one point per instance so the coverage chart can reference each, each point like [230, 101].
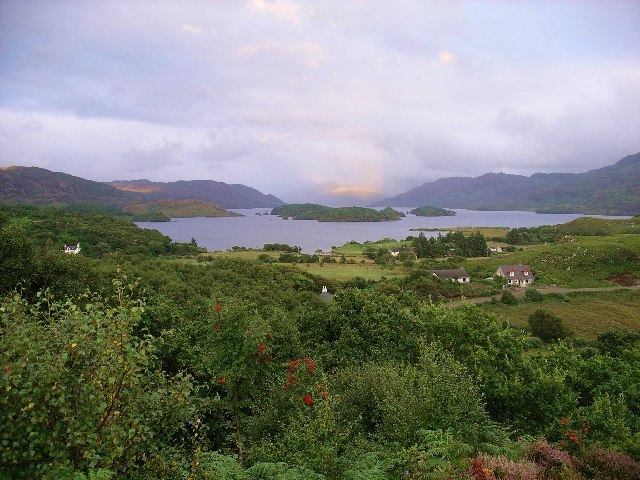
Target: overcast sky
[336, 101]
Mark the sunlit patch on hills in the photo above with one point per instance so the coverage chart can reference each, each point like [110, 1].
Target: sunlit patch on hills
[357, 191]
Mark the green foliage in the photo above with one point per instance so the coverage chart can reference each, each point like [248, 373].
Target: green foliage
[508, 298]
[533, 295]
[547, 326]
[310, 211]
[390, 402]
[96, 234]
[427, 211]
[78, 396]
[452, 243]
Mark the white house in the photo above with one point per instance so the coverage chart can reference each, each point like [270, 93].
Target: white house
[72, 250]
[516, 275]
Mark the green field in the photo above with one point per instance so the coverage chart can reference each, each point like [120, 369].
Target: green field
[348, 271]
[587, 314]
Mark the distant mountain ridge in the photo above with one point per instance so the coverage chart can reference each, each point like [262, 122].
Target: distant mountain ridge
[41, 186]
[610, 190]
[224, 194]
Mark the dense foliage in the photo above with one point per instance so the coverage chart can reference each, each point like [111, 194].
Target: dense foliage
[428, 211]
[236, 369]
[310, 211]
[452, 243]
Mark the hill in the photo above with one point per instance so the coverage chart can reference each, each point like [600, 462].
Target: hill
[36, 185]
[40, 186]
[611, 190]
[224, 194]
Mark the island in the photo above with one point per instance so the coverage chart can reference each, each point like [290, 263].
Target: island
[164, 210]
[311, 211]
[428, 211]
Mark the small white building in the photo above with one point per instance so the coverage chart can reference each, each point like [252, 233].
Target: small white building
[71, 249]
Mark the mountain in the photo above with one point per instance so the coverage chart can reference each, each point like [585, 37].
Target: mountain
[40, 186]
[611, 190]
[224, 194]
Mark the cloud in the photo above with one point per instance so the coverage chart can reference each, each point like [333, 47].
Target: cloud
[192, 29]
[284, 9]
[357, 97]
[313, 53]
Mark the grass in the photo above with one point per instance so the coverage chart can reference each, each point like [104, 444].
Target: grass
[587, 314]
[342, 271]
[576, 262]
[354, 249]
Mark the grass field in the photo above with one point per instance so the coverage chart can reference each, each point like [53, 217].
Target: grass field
[587, 314]
[338, 271]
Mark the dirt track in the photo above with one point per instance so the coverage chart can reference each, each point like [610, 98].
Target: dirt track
[519, 292]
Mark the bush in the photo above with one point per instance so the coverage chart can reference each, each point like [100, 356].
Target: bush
[508, 298]
[547, 326]
[533, 295]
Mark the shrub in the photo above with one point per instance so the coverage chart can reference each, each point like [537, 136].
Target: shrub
[601, 463]
[533, 295]
[508, 298]
[547, 326]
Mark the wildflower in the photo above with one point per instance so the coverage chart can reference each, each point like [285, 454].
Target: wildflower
[218, 307]
[324, 394]
[308, 400]
[218, 328]
[262, 348]
[222, 381]
[564, 420]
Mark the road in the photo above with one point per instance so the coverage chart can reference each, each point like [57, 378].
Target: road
[519, 292]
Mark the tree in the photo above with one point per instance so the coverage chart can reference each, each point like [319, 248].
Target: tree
[547, 326]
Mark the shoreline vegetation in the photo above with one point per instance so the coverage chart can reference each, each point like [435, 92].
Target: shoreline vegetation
[321, 213]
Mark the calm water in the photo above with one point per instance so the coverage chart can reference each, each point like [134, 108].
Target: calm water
[255, 230]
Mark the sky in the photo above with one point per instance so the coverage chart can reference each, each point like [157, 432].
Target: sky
[334, 101]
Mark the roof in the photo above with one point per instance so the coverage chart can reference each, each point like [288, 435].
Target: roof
[518, 271]
[454, 273]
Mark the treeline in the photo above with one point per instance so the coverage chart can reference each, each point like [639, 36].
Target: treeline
[452, 243]
[310, 211]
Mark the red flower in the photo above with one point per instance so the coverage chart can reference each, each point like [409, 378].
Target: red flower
[564, 420]
[262, 348]
[324, 394]
[222, 381]
[218, 328]
[308, 400]
[218, 307]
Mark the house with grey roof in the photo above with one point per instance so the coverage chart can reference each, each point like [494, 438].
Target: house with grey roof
[516, 275]
[455, 275]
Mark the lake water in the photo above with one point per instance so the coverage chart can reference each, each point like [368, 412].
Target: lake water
[253, 230]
